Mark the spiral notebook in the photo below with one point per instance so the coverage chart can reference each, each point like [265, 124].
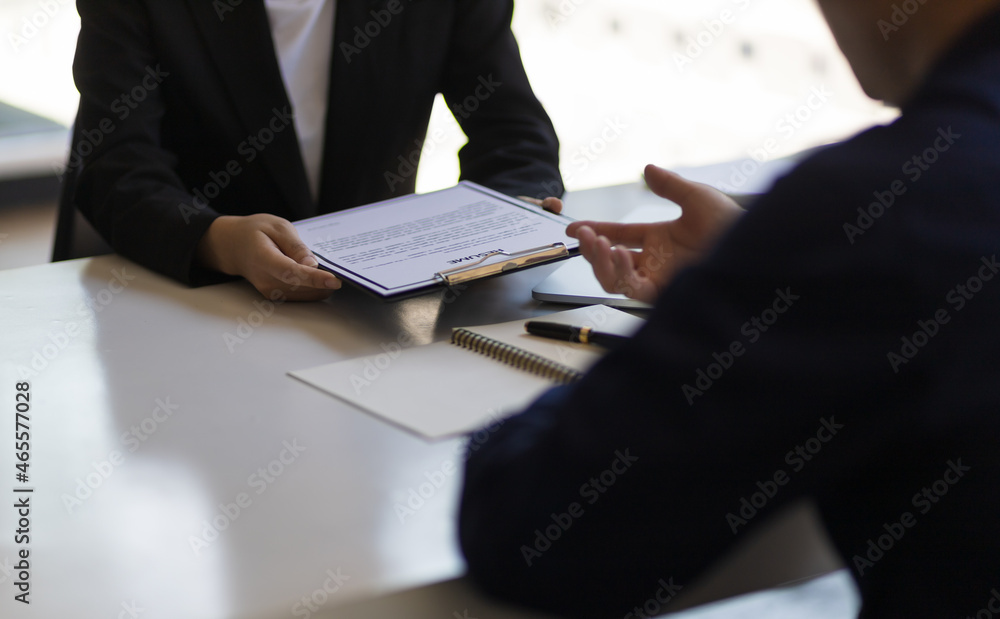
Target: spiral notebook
[482, 374]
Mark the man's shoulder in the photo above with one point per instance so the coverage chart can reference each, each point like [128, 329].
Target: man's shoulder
[920, 182]
[920, 159]
[947, 136]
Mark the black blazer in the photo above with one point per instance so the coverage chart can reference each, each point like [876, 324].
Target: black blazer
[183, 115]
[840, 345]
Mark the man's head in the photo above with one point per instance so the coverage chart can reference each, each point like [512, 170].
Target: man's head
[892, 44]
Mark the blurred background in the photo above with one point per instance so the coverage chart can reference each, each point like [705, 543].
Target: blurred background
[626, 82]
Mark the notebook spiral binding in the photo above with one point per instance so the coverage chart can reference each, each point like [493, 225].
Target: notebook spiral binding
[515, 357]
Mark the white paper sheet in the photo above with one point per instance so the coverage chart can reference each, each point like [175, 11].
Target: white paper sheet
[441, 390]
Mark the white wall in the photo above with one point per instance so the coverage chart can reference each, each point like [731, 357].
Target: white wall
[637, 63]
[37, 42]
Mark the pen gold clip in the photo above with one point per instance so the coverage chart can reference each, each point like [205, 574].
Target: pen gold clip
[516, 260]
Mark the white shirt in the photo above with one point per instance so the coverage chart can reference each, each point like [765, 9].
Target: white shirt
[303, 40]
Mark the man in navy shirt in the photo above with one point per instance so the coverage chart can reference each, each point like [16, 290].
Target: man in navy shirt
[837, 343]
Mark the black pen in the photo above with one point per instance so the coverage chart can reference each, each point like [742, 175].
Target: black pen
[569, 333]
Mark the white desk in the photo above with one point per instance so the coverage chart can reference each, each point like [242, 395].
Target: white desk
[104, 354]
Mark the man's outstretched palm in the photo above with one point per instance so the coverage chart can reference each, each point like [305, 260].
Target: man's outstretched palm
[664, 247]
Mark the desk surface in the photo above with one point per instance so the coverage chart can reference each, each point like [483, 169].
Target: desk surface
[178, 470]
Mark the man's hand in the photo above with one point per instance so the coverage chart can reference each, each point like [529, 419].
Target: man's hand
[664, 247]
[268, 252]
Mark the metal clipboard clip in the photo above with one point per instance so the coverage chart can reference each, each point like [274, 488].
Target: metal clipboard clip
[516, 260]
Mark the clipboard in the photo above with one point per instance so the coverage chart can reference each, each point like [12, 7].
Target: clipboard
[418, 244]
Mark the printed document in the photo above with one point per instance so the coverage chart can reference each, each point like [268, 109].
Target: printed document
[399, 246]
